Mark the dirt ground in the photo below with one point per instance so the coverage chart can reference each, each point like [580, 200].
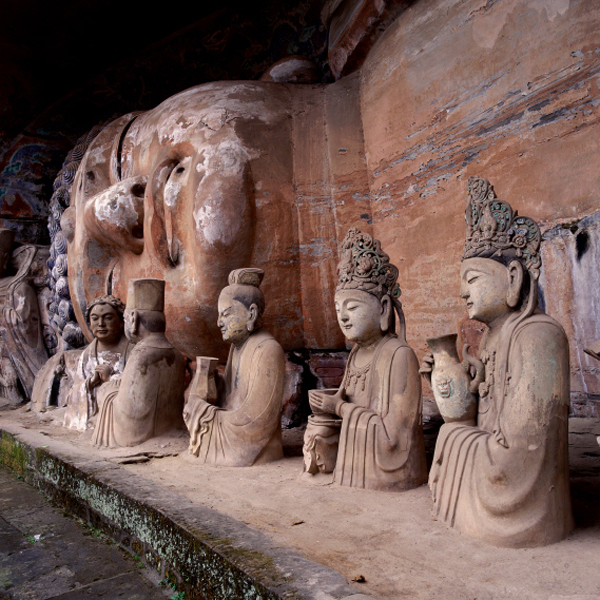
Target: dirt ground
[388, 539]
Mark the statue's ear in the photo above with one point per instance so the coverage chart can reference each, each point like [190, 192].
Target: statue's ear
[135, 321]
[515, 283]
[385, 321]
[253, 310]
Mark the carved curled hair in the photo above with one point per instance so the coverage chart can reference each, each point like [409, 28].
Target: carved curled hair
[106, 299]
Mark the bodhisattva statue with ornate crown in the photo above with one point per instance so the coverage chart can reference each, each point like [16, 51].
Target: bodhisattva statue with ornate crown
[147, 399]
[505, 479]
[239, 423]
[378, 405]
[102, 361]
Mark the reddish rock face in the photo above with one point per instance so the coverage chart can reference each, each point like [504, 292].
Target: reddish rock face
[507, 91]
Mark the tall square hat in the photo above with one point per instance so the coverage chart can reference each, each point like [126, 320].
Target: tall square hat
[146, 294]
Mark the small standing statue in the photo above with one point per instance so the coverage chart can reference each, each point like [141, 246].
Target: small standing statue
[505, 479]
[102, 361]
[22, 349]
[147, 400]
[381, 442]
[241, 424]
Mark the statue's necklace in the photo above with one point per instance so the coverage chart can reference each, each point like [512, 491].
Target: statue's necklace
[488, 358]
[356, 375]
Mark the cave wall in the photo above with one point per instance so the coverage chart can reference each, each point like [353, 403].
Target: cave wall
[508, 90]
[68, 68]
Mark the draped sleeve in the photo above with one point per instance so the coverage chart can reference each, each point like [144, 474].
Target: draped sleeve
[244, 435]
[381, 444]
[507, 483]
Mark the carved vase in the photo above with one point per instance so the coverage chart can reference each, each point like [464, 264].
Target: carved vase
[451, 382]
[204, 384]
[321, 440]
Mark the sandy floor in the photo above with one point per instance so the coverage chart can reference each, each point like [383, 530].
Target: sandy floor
[389, 539]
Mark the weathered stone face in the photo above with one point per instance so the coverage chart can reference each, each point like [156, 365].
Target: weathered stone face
[484, 287]
[171, 194]
[106, 324]
[234, 318]
[359, 315]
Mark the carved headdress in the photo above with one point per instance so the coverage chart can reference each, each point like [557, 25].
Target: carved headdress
[495, 231]
[146, 294]
[247, 276]
[365, 266]
[246, 285]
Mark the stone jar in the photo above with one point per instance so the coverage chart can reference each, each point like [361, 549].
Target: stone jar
[204, 384]
[451, 382]
[321, 440]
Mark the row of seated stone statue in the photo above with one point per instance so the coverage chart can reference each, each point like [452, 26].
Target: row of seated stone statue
[500, 470]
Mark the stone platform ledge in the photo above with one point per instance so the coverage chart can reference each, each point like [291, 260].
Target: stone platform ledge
[211, 555]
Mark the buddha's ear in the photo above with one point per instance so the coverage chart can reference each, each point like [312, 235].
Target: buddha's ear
[386, 313]
[515, 283]
[253, 310]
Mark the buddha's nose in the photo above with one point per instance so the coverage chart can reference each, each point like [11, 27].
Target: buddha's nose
[117, 214]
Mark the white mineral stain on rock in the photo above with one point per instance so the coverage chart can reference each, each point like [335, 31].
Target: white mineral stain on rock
[206, 108]
[172, 190]
[210, 221]
[115, 206]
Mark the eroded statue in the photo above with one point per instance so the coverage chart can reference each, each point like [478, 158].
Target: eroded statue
[381, 442]
[147, 399]
[101, 363]
[22, 349]
[240, 425]
[504, 479]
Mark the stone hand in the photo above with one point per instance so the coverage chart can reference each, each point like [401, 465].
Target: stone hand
[322, 402]
[469, 361]
[101, 375]
[427, 367]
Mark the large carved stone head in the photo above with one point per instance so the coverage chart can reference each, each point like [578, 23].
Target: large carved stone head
[170, 193]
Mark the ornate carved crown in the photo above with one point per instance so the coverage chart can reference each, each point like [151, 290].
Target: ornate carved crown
[495, 231]
[366, 267]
